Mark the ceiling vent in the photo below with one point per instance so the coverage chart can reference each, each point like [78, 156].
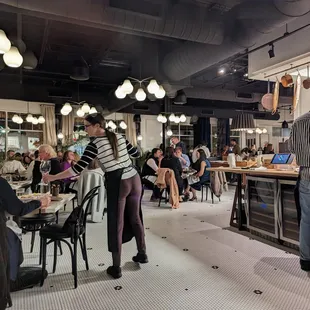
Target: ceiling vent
[180, 98]
[80, 71]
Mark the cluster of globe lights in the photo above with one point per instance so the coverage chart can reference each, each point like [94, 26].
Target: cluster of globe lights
[127, 88]
[113, 126]
[85, 109]
[257, 130]
[172, 118]
[30, 119]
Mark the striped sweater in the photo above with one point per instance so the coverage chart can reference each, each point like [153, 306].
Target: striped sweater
[101, 148]
[299, 144]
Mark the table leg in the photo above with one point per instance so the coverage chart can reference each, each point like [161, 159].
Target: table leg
[239, 201]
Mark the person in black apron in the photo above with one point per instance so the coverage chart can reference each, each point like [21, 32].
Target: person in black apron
[123, 184]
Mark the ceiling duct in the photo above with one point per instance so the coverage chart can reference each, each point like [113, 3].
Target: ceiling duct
[184, 21]
[180, 98]
[247, 23]
[80, 71]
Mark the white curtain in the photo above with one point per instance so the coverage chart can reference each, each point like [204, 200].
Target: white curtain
[131, 134]
[49, 127]
[67, 127]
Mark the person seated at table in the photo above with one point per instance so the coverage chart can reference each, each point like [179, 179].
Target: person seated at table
[269, 149]
[149, 170]
[204, 176]
[202, 146]
[26, 161]
[172, 162]
[184, 159]
[60, 156]
[11, 165]
[68, 161]
[245, 153]
[11, 204]
[46, 152]
[225, 151]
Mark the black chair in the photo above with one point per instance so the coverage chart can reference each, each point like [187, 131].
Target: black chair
[36, 223]
[207, 187]
[56, 233]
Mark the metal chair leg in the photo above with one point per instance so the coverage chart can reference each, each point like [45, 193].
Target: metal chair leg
[44, 241]
[41, 251]
[74, 262]
[56, 242]
[207, 191]
[85, 251]
[33, 237]
[202, 193]
[60, 248]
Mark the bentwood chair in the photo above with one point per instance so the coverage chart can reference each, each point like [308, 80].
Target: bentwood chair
[77, 233]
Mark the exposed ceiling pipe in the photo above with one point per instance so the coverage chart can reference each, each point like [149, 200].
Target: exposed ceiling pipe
[185, 22]
[266, 15]
[227, 95]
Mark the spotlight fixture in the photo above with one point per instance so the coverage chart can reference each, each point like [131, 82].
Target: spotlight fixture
[271, 51]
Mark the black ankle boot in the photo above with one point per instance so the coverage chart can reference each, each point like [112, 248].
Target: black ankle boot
[141, 258]
[115, 272]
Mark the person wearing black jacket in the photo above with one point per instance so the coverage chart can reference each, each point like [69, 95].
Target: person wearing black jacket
[172, 162]
[11, 204]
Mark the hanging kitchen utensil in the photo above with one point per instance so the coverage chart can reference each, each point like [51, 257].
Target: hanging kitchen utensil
[297, 91]
[267, 99]
[287, 80]
[306, 82]
[275, 99]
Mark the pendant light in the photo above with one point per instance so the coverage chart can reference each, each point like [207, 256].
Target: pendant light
[160, 93]
[119, 93]
[41, 120]
[30, 61]
[182, 118]
[80, 113]
[140, 95]
[126, 87]
[169, 133]
[160, 118]
[93, 110]
[15, 118]
[153, 87]
[171, 117]
[35, 121]
[13, 58]
[86, 108]
[5, 43]
[242, 122]
[29, 118]
[123, 125]
[60, 136]
[177, 120]
[139, 138]
[66, 108]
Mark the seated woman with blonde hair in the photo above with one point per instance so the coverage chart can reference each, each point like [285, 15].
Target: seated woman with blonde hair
[46, 152]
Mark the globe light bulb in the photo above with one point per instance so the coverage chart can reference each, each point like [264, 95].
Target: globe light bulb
[80, 113]
[93, 110]
[169, 133]
[127, 87]
[29, 118]
[171, 117]
[119, 93]
[123, 125]
[264, 130]
[15, 118]
[85, 108]
[164, 119]
[153, 87]
[140, 95]
[60, 135]
[5, 43]
[67, 108]
[250, 131]
[13, 58]
[160, 118]
[35, 121]
[160, 93]
[182, 118]
[41, 120]
[177, 120]
[139, 138]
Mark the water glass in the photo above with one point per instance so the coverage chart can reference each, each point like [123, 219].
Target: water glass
[20, 192]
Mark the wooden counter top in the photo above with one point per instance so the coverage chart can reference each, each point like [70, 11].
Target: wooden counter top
[268, 172]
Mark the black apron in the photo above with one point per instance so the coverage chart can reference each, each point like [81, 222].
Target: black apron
[113, 182]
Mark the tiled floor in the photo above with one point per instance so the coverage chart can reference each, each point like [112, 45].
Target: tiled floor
[194, 264]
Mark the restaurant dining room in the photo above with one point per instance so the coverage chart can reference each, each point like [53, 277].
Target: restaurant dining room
[154, 155]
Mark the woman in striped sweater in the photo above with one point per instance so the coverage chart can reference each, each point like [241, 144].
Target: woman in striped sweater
[124, 189]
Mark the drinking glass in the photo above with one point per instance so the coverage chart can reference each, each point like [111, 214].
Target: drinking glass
[45, 167]
[20, 192]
